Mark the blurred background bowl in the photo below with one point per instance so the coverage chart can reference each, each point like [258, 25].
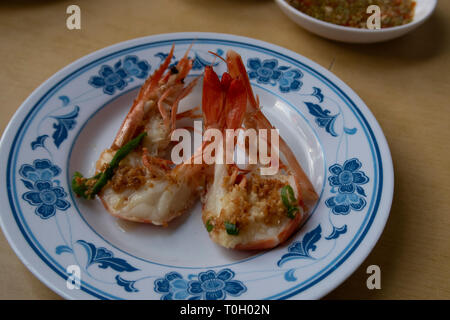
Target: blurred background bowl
[423, 10]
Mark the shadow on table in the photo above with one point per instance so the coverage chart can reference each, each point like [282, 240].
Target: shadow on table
[425, 42]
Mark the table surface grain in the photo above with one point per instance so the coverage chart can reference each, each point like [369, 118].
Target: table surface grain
[405, 83]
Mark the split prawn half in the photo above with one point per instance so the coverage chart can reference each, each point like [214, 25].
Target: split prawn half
[135, 179]
[243, 209]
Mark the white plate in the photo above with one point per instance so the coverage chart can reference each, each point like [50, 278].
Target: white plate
[423, 10]
[65, 124]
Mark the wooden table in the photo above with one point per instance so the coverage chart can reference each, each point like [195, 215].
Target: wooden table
[405, 82]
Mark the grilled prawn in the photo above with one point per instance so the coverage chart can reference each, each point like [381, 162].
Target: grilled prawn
[135, 180]
[247, 210]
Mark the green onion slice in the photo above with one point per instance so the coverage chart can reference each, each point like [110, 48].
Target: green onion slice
[289, 201]
[209, 226]
[231, 228]
[79, 185]
[292, 211]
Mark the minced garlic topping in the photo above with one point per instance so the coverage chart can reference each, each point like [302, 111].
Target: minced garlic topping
[258, 200]
[126, 177]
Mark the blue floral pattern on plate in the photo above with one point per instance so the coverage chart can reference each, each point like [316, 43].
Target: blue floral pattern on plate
[209, 286]
[301, 249]
[264, 71]
[104, 258]
[348, 179]
[289, 80]
[43, 194]
[126, 284]
[268, 72]
[109, 79]
[64, 124]
[172, 287]
[323, 117]
[215, 286]
[115, 78]
[39, 142]
[135, 67]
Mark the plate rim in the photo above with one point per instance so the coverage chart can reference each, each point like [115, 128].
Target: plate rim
[385, 156]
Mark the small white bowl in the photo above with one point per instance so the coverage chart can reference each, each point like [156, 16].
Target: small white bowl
[424, 8]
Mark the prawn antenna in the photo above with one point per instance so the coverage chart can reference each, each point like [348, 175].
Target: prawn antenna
[215, 54]
[189, 49]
